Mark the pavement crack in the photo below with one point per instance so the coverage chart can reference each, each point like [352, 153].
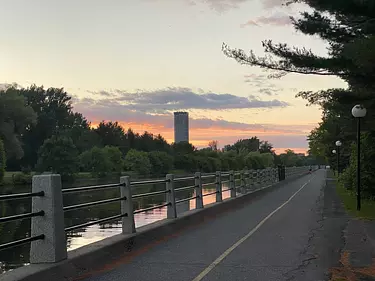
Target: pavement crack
[309, 257]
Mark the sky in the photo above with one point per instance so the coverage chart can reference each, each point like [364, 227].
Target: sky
[137, 61]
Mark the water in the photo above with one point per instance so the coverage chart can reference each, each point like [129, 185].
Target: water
[19, 256]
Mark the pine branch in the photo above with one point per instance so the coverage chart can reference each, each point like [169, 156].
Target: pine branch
[284, 66]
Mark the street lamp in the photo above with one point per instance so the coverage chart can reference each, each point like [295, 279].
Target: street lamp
[338, 144]
[358, 111]
[334, 152]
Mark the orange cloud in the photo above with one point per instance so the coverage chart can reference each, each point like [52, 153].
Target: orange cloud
[152, 111]
[200, 137]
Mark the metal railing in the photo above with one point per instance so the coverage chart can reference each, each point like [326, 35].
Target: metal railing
[21, 217]
[51, 246]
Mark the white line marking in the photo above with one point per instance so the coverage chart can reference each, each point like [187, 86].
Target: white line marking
[243, 239]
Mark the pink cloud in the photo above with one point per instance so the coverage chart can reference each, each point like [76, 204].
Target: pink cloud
[275, 20]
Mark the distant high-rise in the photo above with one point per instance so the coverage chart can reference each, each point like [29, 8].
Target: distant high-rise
[181, 127]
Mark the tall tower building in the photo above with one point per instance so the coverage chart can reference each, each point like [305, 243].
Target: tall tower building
[181, 126]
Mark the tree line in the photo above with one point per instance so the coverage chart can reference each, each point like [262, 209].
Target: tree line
[348, 27]
[39, 131]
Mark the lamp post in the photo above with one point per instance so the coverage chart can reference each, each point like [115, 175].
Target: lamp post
[358, 111]
[334, 152]
[338, 144]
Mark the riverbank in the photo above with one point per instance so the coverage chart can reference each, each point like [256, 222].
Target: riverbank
[14, 179]
[357, 257]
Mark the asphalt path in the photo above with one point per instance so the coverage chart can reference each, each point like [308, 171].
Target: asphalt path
[278, 236]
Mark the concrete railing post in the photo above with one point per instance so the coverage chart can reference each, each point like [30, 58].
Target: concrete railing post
[219, 194]
[269, 176]
[242, 182]
[247, 181]
[198, 190]
[251, 180]
[171, 199]
[275, 175]
[232, 185]
[53, 247]
[264, 171]
[128, 223]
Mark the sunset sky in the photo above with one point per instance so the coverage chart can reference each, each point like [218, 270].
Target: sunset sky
[137, 61]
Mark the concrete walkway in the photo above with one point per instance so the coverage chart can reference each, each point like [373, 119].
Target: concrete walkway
[278, 236]
[357, 256]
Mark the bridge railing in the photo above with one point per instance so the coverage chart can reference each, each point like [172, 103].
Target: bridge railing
[21, 217]
[48, 231]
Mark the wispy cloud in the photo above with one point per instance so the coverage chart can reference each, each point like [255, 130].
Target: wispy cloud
[269, 4]
[102, 93]
[169, 99]
[97, 110]
[202, 129]
[262, 82]
[275, 20]
[224, 5]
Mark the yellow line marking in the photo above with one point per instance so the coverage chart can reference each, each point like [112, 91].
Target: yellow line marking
[243, 239]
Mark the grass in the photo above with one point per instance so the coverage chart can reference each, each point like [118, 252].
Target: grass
[349, 199]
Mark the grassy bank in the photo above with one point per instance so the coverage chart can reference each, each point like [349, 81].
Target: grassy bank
[350, 202]
[19, 178]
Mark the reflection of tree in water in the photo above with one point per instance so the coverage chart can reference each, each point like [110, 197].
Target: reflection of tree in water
[17, 256]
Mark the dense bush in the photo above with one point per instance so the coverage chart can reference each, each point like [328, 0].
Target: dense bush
[115, 157]
[59, 155]
[349, 176]
[21, 179]
[138, 161]
[161, 162]
[96, 161]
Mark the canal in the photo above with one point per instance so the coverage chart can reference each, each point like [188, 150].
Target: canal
[19, 256]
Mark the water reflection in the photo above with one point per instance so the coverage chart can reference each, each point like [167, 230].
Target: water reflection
[11, 231]
[98, 232]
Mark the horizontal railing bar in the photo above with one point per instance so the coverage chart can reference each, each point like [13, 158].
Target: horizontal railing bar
[186, 199]
[74, 227]
[184, 179]
[21, 242]
[84, 205]
[225, 175]
[21, 216]
[209, 183]
[210, 193]
[151, 208]
[208, 176]
[150, 194]
[88, 188]
[185, 188]
[227, 189]
[225, 181]
[20, 195]
[137, 183]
